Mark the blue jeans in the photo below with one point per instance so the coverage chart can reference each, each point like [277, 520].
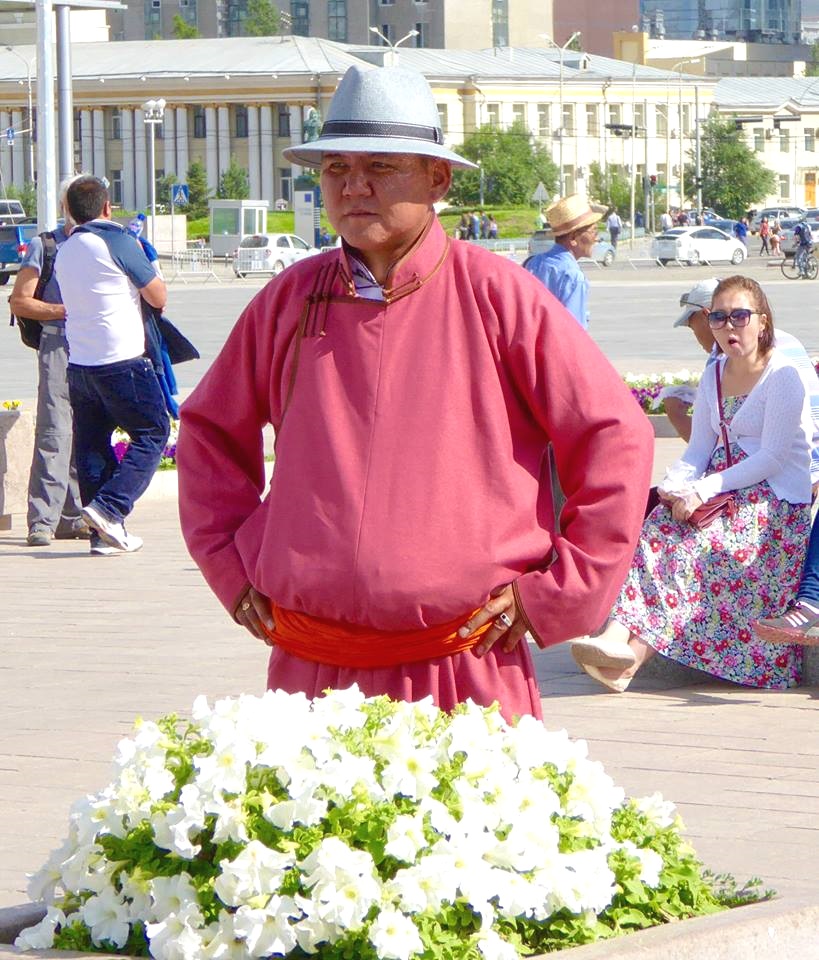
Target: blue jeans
[125, 394]
[809, 587]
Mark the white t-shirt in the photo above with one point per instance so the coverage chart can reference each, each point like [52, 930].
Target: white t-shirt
[100, 270]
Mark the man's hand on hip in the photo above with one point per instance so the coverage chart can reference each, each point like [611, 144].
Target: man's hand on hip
[502, 611]
[253, 613]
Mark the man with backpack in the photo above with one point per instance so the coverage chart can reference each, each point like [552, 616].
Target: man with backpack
[53, 492]
[804, 237]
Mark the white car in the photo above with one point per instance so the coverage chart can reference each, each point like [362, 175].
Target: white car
[270, 253]
[695, 245]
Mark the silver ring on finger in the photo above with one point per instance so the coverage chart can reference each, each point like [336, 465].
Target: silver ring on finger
[503, 621]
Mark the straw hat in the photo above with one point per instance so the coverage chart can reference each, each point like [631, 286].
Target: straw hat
[573, 213]
[379, 110]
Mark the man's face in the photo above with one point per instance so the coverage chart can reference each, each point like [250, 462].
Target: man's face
[583, 241]
[380, 202]
[699, 326]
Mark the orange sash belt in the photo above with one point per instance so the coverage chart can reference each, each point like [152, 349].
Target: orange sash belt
[349, 645]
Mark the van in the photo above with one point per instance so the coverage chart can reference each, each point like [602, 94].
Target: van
[14, 240]
[11, 211]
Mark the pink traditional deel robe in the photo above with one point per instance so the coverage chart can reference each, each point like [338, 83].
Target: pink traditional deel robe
[411, 475]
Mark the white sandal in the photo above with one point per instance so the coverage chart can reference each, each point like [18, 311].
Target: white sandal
[616, 686]
[600, 652]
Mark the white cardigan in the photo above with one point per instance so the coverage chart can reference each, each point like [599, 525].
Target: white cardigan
[773, 426]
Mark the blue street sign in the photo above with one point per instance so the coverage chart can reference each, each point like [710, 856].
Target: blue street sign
[180, 194]
[10, 135]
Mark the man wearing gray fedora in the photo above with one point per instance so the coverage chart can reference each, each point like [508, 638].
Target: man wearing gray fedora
[407, 541]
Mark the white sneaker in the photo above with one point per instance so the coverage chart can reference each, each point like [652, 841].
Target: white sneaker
[112, 532]
[99, 548]
[601, 652]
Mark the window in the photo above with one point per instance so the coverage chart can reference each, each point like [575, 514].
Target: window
[116, 186]
[592, 121]
[614, 113]
[77, 126]
[784, 141]
[337, 20]
[500, 23]
[156, 4]
[284, 121]
[759, 139]
[661, 120]
[686, 118]
[200, 129]
[544, 126]
[567, 119]
[386, 3]
[116, 124]
[493, 114]
[443, 117]
[387, 34]
[422, 40]
[784, 186]
[300, 17]
[153, 18]
[640, 118]
[285, 184]
[519, 114]
[810, 139]
[240, 119]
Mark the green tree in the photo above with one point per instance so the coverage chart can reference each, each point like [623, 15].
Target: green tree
[614, 189]
[233, 184]
[263, 19]
[27, 195]
[163, 188]
[733, 177]
[198, 193]
[182, 30]
[812, 66]
[512, 166]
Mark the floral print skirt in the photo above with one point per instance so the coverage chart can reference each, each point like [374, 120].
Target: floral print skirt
[692, 594]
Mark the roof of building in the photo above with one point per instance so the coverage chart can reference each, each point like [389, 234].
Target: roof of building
[766, 92]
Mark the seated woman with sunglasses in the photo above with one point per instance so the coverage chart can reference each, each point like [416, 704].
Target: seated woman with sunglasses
[691, 594]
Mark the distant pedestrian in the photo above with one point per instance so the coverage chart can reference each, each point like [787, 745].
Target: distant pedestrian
[492, 232]
[474, 225]
[615, 225]
[540, 220]
[764, 234]
[666, 221]
[741, 231]
[102, 274]
[776, 238]
[484, 220]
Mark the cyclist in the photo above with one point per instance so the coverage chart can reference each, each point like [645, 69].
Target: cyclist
[803, 236]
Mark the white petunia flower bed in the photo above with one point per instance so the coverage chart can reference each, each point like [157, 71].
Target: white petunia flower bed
[346, 827]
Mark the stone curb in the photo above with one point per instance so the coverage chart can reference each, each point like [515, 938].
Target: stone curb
[784, 928]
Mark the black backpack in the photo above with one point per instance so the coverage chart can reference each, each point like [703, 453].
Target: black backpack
[31, 330]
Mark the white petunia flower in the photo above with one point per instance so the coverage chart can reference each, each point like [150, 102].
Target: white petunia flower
[342, 882]
[405, 837]
[661, 812]
[41, 935]
[305, 809]
[493, 947]
[177, 936]
[225, 770]
[255, 871]
[411, 774]
[106, 916]
[174, 830]
[651, 863]
[394, 936]
[176, 895]
[268, 932]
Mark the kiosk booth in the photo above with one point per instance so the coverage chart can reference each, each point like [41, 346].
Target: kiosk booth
[233, 220]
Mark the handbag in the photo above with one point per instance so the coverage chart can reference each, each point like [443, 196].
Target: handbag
[722, 503]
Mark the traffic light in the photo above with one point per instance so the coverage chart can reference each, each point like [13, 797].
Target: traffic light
[653, 179]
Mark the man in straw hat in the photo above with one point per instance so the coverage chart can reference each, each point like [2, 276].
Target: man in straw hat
[574, 224]
[407, 540]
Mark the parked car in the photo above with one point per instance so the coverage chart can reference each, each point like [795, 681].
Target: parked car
[776, 213]
[14, 239]
[787, 240]
[542, 240]
[695, 245]
[270, 253]
[11, 211]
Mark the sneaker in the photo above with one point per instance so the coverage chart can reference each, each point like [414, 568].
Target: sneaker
[99, 548]
[112, 532]
[73, 531]
[792, 627]
[39, 538]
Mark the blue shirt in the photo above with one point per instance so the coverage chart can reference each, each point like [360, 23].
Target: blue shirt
[34, 259]
[560, 273]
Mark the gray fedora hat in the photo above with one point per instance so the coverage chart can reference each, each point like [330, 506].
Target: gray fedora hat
[379, 110]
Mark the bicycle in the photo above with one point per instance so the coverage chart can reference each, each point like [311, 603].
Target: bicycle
[802, 264]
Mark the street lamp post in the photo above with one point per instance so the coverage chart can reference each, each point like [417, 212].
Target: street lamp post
[393, 57]
[154, 111]
[30, 112]
[561, 131]
[675, 69]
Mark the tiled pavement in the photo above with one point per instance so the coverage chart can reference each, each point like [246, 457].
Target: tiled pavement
[88, 644]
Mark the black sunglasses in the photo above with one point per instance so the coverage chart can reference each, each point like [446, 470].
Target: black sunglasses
[739, 317]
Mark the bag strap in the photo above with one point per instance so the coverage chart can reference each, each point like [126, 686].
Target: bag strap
[723, 424]
[49, 255]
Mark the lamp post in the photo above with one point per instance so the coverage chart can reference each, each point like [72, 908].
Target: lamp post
[30, 111]
[154, 111]
[677, 68]
[562, 49]
[393, 57]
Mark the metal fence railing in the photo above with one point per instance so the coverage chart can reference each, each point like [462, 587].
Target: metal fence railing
[194, 263]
